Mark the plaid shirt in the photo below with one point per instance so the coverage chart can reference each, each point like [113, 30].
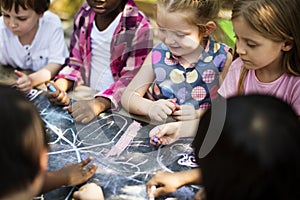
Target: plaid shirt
[131, 43]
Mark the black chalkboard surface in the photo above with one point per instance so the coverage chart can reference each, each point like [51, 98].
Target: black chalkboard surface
[122, 175]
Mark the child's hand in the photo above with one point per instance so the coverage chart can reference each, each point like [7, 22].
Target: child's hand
[167, 182]
[200, 194]
[57, 97]
[24, 82]
[77, 173]
[89, 191]
[86, 110]
[185, 112]
[165, 133]
[160, 110]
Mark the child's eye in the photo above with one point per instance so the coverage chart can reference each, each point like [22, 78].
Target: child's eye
[178, 34]
[251, 45]
[22, 18]
[162, 30]
[5, 15]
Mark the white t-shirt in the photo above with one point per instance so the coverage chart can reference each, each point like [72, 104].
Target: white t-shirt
[48, 45]
[101, 77]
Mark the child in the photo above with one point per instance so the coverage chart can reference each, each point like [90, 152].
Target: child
[269, 56]
[184, 68]
[268, 46]
[32, 38]
[23, 152]
[109, 43]
[256, 157]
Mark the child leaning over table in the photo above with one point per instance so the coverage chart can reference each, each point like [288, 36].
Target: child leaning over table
[184, 67]
[255, 157]
[269, 50]
[269, 56]
[32, 38]
[109, 43]
[24, 152]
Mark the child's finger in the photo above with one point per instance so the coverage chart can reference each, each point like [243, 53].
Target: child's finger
[51, 87]
[19, 74]
[177, 112]
[155, 130]
[175, 105]
[86, 161]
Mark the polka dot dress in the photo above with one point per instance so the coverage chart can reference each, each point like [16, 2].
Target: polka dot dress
[195, 86]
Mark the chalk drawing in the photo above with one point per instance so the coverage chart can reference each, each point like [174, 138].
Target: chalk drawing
[122, 175]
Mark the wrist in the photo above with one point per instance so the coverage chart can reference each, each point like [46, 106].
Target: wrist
[63, 84]
[149, 107]
[62, 177]
[190, 177]
[101, 104]
[31, 80]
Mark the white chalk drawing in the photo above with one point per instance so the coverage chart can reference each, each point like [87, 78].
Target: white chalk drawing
[121, 173]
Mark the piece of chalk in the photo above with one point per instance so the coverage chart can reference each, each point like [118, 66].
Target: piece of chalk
[155, 139]
[51, 88]
[152, 190]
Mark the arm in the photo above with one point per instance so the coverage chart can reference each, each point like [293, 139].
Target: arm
[44, 74]
[225, 68]
[127, 61]
[80, 54]
[70, 74]
[26, 82]
[133, 97]
[69, 175]
[170, 132]
[167, 182]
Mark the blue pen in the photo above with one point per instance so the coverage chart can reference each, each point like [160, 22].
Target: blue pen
[51, 88]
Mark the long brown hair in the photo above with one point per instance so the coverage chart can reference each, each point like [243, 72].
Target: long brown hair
[276, 20]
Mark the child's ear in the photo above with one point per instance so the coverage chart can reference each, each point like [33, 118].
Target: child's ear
[41, 15]
[287, 45]
[44, 160]
[210, 28]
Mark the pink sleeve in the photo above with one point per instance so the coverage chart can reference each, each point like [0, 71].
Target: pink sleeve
[295, 96]
[230, 83]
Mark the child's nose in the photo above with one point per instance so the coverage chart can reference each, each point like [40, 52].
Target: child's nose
[240, 49]
[13, 23]
[169, 39]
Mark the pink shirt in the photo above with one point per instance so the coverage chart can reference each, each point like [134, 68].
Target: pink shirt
[286, 87]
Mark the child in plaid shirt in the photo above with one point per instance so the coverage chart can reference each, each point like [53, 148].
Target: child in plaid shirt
[109, 43]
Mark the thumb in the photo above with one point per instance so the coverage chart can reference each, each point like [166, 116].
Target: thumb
[174, 103]
[19, 74]
[159, 131]
[76, 195]
[155, 130]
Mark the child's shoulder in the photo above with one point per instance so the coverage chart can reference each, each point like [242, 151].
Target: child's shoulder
[161, 46]
[215, 46]
[2, 25]
[236, 66]
[50, 17]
